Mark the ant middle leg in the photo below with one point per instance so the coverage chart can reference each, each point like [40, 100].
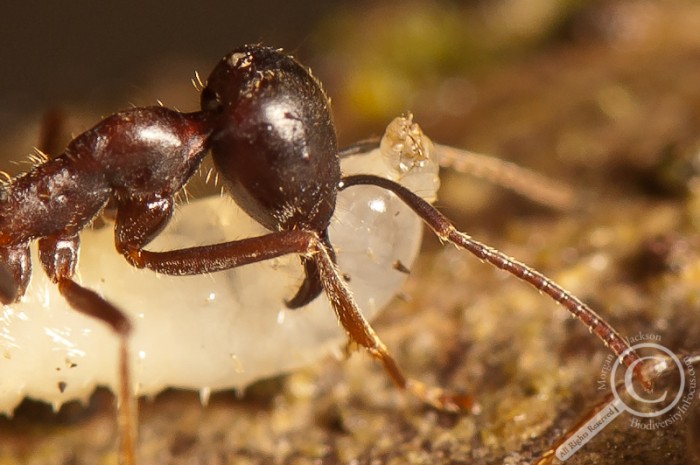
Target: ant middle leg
[15, 271]
[58, 256]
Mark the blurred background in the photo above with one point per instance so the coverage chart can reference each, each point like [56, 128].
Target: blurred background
[602, 94]
[377, 59]
[106, 56]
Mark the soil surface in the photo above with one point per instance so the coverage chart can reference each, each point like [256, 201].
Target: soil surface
[604, 97]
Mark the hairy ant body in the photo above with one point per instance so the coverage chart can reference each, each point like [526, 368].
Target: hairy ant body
[268, 125]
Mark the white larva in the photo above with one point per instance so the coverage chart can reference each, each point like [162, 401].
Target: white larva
[226, 330]
[212, 332]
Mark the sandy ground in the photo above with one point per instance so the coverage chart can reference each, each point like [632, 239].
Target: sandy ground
[614, 112]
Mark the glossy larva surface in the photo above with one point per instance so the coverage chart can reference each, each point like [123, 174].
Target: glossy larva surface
[215, 331]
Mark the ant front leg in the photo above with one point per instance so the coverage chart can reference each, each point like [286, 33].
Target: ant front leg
[442, 227]
[312, 246]
[59, 256]
[139, 220]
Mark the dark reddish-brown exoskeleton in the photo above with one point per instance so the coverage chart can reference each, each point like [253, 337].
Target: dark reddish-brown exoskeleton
[268, 125]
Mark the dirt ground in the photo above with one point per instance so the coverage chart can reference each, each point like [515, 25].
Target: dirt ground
[604, 97]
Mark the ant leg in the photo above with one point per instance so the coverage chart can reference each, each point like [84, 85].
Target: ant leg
[447, 232]
[547, 457]
[139, 220]
[219, 257]
[312, 286]
[522, 181]
[52, 132]
[661, 370]
[655, 370]
[15, 271]
[359, 147]
[9, 291]
[58, 256]
[361, 332]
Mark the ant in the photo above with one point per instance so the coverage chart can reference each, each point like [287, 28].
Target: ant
[268, 125]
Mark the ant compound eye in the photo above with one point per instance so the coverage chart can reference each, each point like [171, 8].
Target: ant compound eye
[210, 100]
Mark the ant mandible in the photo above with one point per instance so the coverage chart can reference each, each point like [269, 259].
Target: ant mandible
[268, 124]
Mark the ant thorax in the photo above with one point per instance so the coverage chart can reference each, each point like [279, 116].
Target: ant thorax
[203, 332]
[216, 298]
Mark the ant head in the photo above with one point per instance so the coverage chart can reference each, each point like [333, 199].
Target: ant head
[273, 139]
[226, 83]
